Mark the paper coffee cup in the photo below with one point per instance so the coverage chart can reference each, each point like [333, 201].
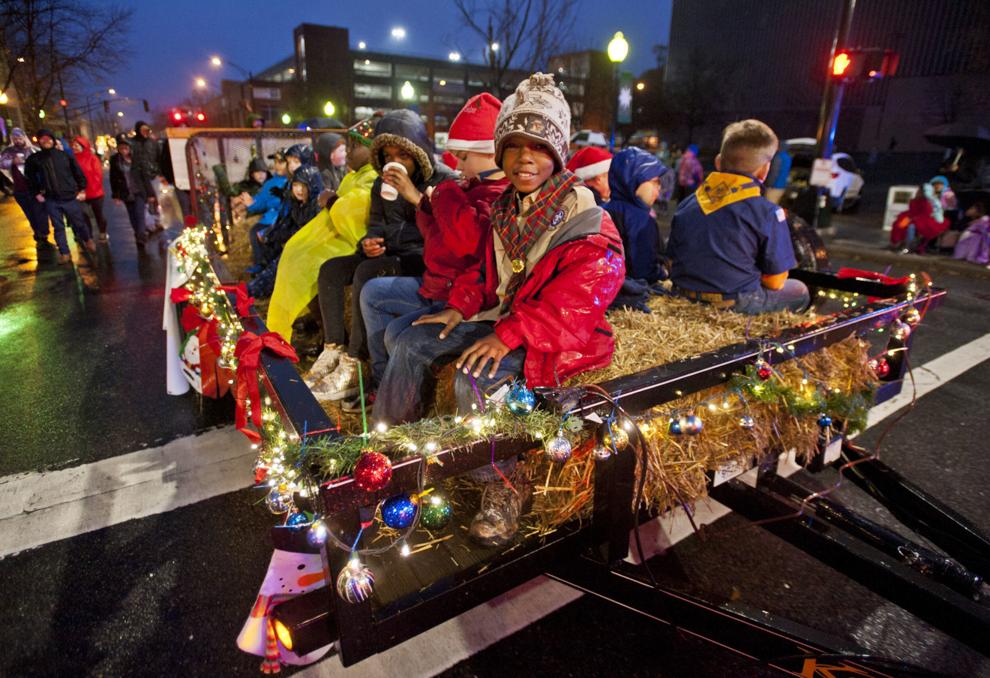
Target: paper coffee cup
[389, 192]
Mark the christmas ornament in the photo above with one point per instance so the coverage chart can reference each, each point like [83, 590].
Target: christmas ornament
[398, 511]
[912, 317]
[601, 452]
[676, 426]
[692, 424]
[559, 449]
[824, 420]
[747, 422]
[520, 400]
[763, 370]
[355, 583]
[372, 471]
[900, 330]
[615, 438]
[296, 519]
[317, 534]
[880, 367]
[435, 512]
[260, 473]
[278, 502]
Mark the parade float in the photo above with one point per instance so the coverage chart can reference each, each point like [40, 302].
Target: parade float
[370, 523]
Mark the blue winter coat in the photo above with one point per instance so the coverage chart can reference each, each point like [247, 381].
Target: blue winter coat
[640, 238]
[268, 200]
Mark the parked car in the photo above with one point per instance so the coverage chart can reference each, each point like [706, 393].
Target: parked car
[587, 137]
[847, 181]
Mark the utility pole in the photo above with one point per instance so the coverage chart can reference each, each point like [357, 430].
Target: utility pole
[828, 116]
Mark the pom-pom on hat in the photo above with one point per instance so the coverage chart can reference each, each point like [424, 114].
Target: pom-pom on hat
[537, 110]
[474, 127]
[363, 132]
[589, 162]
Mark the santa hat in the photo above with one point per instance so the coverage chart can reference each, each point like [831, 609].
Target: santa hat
[537, 110]
[474, 127]
[589, 162]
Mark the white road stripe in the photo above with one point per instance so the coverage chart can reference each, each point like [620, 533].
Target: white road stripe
[39, 508]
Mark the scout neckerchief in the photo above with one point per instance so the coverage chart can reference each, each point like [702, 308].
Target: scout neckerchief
[518, 235]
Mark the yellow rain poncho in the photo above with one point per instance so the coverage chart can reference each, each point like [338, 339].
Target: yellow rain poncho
[333, 233]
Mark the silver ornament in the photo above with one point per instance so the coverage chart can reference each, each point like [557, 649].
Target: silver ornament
[559, 449]
[601, 452]
[747, 422]
[355, 583]
[900, 330]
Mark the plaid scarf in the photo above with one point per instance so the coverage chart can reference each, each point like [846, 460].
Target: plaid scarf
[545, 213]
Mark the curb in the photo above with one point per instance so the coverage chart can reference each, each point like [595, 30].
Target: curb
[862, 251]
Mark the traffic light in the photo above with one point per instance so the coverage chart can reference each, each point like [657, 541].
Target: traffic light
[146, 108]
[63, 103]
[869, 63]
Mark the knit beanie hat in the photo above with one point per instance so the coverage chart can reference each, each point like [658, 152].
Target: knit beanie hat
[363, 132]
[474, 127]
[589, 162]
[537, 110]
[43, 132]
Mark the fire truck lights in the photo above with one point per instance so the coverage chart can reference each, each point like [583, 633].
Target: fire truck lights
[201, 117]
[176, 116]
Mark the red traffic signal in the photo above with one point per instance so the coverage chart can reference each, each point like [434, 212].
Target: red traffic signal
[868, 63]
[63, 103]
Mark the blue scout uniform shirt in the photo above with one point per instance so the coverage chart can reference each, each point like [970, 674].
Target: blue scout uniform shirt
[726, 235]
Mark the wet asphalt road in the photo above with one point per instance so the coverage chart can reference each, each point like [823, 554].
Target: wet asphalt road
[81, 373]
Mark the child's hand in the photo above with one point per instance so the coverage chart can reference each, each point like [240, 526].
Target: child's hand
[324, 197]
[373, 247]
[449, 318]
[402, 183]
[480, 352]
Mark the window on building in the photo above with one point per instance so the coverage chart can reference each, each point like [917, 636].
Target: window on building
[362, 112]
[448, 86]
[301, 56]
[376, 69]
[366, 90]
[577, 108]
[410, 72]
[477, 79]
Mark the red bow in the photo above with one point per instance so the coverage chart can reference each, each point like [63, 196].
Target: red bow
[180, 294]
[243, 301]
[871, 275]
[248, 353]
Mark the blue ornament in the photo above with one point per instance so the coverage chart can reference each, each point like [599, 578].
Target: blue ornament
[676, 426]
[692, 424]
[520, 400]
[747, 422]
[824, 420]
[278, 502]
[398, 511]
[296, 519]
[317, 534]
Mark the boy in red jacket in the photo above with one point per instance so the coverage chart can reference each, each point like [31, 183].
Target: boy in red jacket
[400, 314]
[92, 167]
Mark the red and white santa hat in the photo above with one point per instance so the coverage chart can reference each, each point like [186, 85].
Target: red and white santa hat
[474, 127]
[589, 162]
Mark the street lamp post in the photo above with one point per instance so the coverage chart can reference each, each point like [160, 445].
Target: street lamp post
[217, 62]
[618, 50]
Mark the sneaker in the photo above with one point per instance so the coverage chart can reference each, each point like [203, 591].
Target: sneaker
[354, 404]
[324, 365]
[339, 384]
[497, 521]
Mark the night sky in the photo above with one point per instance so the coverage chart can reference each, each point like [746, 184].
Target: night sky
[172, 41]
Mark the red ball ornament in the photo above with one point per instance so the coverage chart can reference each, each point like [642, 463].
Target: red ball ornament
[763, 370]
[880, 367]
[372, 471]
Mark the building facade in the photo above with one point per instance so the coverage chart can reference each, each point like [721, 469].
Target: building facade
[769, 58]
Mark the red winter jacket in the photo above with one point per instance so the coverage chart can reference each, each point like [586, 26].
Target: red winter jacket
[558, 315]
[91, 167]
[455, 223]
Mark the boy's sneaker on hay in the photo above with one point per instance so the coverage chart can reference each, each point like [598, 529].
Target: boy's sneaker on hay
[354, 404]
[324, 365]
[339, 384]
[497, 521]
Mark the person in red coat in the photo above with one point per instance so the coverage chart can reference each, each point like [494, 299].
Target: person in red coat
[92, 167]
[922, 222]
[401, 313]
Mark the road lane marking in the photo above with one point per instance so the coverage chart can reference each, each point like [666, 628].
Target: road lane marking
[39, 508]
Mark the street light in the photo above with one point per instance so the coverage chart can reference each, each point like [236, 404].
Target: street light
[362, 44]
[618, 50]
[329, 109]
[407, 92]
[286, 118]
[454, 56]
[216, 61]
[3, 98]
[494, 46]
[201, 83]
[120, 114]
[640, 86]
[20, 60]
[41, 114]
[399, 33]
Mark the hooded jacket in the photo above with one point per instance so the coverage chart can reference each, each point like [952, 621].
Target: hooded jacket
[640, 238]
[14, 169]
[298, 213]
[91, 167]
[301, 151]
[331, 175]
[53, 173]
[248, 184]
[454, 223]
[395, 220]
[146, 153]
[268, 200]
[139, 185]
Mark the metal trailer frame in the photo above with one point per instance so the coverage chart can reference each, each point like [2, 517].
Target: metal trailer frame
[590, 558]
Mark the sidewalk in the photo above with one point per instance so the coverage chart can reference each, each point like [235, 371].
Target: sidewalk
[859, 237]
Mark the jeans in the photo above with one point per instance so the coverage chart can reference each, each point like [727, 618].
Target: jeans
[61, 210]
[408, 377]
[793, 296]
[36, 215]
[354, 270]
[389, 306]
[96, 205]
[136, 209]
